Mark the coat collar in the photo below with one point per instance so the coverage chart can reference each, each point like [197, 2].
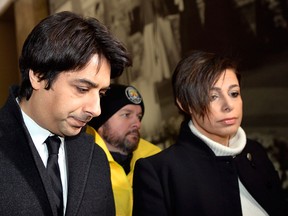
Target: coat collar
[79, 152]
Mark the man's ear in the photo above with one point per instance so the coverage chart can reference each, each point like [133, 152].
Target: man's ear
[34, 79]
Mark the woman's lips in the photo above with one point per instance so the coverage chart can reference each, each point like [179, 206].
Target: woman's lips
[229, 121]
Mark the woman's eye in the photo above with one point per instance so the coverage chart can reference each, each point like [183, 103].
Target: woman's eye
[235, 94]
[214, 97]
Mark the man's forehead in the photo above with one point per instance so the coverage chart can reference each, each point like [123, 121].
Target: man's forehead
[131, 107]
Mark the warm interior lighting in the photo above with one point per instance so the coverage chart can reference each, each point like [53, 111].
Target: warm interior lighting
[4, 4]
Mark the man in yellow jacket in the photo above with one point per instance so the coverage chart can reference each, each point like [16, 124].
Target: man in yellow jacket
[116, 131]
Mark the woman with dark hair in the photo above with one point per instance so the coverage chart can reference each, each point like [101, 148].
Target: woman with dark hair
[212, 169]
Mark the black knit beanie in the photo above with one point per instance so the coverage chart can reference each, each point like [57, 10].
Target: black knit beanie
[115, 98]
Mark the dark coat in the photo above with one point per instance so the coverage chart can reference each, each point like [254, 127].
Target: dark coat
[24, 184]
[188, 179]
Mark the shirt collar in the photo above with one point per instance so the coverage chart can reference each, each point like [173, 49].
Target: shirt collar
[37, 133]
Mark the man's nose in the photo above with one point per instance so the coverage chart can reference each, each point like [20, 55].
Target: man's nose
[136, 122]
[93, 105]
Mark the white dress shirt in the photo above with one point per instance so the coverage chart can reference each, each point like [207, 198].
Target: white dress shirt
[39, 135]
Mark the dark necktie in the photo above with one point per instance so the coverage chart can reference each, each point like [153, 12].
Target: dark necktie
[53, 144]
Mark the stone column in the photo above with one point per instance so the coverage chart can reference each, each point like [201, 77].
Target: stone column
[27, 14]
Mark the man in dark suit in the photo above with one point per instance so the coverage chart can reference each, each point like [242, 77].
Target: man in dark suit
[66, 65]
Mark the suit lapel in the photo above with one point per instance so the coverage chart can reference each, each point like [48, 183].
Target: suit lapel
[27, 148]
[43, 174]
[42, 171]
[79, 153]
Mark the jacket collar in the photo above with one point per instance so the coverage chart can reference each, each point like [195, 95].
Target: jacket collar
[79, 154]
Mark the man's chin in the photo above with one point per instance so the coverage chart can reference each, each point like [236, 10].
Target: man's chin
[132, 146]
[73, 131]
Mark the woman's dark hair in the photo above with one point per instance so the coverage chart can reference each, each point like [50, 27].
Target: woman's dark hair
[193, 78]
[65, 42]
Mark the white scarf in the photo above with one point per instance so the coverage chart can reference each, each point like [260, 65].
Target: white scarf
[250, 207]
[236, 143]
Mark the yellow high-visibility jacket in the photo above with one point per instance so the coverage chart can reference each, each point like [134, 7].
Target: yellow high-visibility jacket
[122, 183]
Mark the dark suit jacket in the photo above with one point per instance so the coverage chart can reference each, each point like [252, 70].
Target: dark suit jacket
[188, 179]
[24, 184]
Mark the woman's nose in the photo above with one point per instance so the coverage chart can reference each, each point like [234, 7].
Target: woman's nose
[227, 104]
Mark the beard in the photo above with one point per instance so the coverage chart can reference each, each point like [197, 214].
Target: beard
[126, 143]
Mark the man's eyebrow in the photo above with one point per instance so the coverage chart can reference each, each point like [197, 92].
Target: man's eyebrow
[130, 110]
[86, 82]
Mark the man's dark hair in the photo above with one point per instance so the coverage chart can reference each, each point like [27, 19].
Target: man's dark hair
[65, 42]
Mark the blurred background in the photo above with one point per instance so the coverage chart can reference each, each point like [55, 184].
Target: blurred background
[158, 33]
